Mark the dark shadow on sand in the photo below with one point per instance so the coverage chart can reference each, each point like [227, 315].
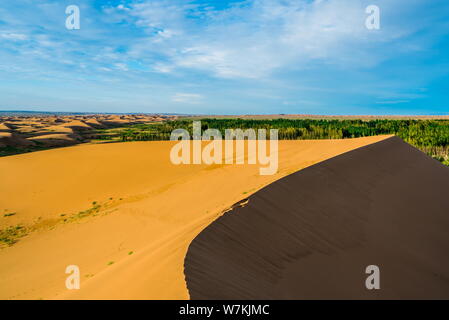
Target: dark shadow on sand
[311, 234]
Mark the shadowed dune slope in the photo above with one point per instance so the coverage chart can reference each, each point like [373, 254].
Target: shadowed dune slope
[8, 139]
[312, 234]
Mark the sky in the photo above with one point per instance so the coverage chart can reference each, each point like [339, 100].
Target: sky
[226, 57]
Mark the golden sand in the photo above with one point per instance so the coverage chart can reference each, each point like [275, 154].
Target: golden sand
[134, 247]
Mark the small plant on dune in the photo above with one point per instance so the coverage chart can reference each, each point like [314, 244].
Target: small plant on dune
[95, 209]
[110, 263]
[11, 235]
[130, 253]
[9, 214]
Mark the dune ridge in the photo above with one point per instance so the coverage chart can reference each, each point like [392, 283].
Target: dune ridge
[312, 234]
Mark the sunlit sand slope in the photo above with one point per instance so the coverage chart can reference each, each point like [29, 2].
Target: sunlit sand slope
[122, 213]
[312, 235]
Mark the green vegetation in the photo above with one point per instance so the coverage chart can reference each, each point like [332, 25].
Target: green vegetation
[431, 136]
[82, 214]
[9, 214]
[9, 151]
[137, 132]
[110, 263]
[11, 235]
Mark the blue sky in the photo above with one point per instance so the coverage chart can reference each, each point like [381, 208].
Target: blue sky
[226, 57]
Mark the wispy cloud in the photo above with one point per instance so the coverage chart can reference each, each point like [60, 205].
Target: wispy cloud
[190, 98]
[253, 39]
[13, 36]
[393, 101]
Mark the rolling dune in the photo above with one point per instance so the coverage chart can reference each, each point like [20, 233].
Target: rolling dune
[312, 234]
[129, 214]
[13, 140]
[56, 139]
[4, 127]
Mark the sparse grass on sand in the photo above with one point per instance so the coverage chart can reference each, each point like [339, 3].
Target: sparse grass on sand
[11, 235]
[10, 214]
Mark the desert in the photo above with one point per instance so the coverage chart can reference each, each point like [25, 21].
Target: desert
[117, 213]
[123, 213]
[224, 158]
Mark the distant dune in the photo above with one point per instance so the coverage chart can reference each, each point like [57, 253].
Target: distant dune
[4, 127]
[9, 139]
[123, 213]
[31, 131]
[59, 139]
[312, 234]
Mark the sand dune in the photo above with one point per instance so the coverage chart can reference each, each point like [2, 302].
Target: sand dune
[147, 212]
[72, 129]
[59, 128]
[4, 127]
[57, 139]
[8, 139]
[78, 124]
[312, 234]
[94, 123]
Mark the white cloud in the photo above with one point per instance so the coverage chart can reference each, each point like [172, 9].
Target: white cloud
[105, 69]
[393, 102]
[167, 33]
[121, 66]
[190, 98]
[122, 7]
[261, 37]
[14, 36]
[163, 68]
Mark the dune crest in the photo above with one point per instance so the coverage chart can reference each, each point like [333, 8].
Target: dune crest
[312, 234]
[134, 245]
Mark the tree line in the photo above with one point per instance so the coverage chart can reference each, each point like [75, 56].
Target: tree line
[431, 136]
